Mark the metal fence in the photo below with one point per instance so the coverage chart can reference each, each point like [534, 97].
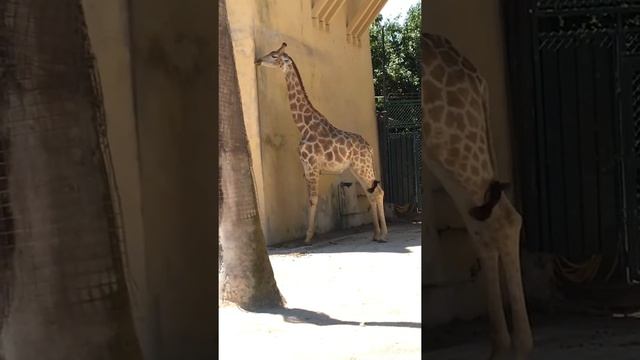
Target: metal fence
[576, 110]
[400, 131]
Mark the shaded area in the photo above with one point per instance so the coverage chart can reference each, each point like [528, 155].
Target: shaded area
[399, 240]
[321, 319]
[552, 332]
[61, 226]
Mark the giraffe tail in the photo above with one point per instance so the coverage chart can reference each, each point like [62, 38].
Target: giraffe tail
[373, 187]
[491, 198]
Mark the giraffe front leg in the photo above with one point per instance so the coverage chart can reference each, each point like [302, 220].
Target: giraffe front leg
[508, 239]
[312, 188]
[380, 208]
[481, 235]
[313, 204]
[377, 235]
[500, 337]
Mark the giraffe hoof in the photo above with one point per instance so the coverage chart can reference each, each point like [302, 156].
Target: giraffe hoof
[379, 240]
[307, 239]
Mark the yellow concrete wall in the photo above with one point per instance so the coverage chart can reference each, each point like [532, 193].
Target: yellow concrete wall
[475, 27]
[338, 80]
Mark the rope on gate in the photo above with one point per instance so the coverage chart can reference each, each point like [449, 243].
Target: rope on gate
[578, 273]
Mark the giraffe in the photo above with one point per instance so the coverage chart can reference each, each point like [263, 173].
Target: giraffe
[323, 147]
[457, 148]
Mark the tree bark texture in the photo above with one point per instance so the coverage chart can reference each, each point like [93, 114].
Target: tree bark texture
[62, 283]
[246, 278]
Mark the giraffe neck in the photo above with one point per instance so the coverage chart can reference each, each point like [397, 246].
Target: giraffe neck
[301, 108]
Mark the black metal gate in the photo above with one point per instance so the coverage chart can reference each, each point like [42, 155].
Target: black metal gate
[400, 131]
[575, 73]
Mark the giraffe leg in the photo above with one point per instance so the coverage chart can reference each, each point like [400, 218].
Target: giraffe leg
[365, 176]
[312, 178]
[377, 236]
[488, 252]
[489, 262]
[500, 337]
[508, 241]
[381, 218]
[367, 183]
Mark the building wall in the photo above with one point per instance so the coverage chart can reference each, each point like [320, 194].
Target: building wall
[475, 28]
[157, 65]
[338, 80]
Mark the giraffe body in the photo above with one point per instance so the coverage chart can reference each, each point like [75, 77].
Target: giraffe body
[457, 150]
[324, 147]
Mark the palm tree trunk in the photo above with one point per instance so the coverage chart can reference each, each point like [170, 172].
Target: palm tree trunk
[68, 294]
[246, 278]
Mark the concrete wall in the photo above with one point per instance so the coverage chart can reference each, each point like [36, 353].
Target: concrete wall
[338, 80]
[475, 28]
[157, 62]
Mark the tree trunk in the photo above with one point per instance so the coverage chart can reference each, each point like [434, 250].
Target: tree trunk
[246, 278]
[61, 250]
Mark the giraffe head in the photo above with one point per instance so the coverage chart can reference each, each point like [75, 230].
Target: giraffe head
[275, 59]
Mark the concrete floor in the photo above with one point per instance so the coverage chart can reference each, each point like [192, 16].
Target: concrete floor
[350, 298]
[347, 298]
[556, 337]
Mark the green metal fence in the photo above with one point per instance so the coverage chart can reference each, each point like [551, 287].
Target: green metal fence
[400, 131]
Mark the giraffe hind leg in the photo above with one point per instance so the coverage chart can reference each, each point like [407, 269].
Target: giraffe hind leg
[380, 208]
[373, 192]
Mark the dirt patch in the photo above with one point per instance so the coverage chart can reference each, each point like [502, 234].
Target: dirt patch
[347, 298]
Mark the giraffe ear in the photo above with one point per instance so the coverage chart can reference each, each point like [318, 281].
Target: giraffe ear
[282, 47]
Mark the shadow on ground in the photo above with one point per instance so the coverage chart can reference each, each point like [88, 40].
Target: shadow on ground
[401, 236]
[317, 318]
[552, 333]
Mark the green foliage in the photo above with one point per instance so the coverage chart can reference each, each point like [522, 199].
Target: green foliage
[400, 56]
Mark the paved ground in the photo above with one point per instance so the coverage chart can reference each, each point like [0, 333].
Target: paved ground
[556, 338]
[347, 298]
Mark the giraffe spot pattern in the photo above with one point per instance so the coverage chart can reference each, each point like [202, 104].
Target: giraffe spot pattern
[454, 100]
[474, 121]
[432, 91]
[455, 139]
[435, 113]
[455, 77]
[437, 73]
[454, 120]
[449, 60]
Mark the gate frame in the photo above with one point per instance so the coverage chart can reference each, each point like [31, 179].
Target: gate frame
[414, 131]
[520, 31]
